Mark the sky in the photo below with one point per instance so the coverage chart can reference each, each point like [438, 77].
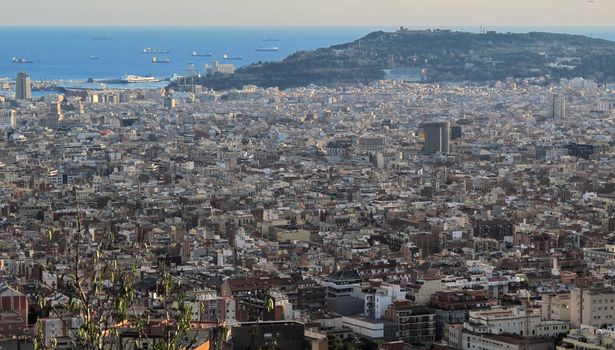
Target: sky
[411, 13]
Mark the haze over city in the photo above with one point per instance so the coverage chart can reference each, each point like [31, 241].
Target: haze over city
[310, 13]
[307, 175]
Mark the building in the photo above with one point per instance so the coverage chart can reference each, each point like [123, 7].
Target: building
[371, 328]
[437, 137]
[557, 107]
[23, 86]
[475, 341]
[600, 255]
[592, 306]
[55, 116]
[588, 338]
[222, 68]
[170, 102]
[416, 324]
[454, 307]
[372, 144]
[556, 306]
[7, 118]
[259, 335]
[13, 312]
[341, 283]
[512, 321]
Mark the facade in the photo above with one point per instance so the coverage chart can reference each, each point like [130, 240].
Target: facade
[557, 107]
[7, 118]
[23, 86]
[512, 321]
[437, 137]
[340, 284]
[55, 116]
[556, 306]
[222, 68]
[475, 341]
[592, 306]
[13, 312]
[417, 324]
[372, 144]
[588, 339]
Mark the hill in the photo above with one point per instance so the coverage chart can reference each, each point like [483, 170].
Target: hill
[442, 55]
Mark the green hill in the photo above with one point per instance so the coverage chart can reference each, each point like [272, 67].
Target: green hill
[442, 54]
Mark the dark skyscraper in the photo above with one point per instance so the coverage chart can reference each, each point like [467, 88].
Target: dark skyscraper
[23, 88]
[437, 137]
[557, 107]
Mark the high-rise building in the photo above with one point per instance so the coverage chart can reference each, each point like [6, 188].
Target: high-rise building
[23, 86]
[557, 106]
[437, 137]
[170, 102]
[55, 116]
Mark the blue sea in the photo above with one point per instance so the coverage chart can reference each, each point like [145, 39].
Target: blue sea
[64, 52]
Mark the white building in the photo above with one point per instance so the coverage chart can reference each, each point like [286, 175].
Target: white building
[223, 68]
[512, 320]
[377, 296]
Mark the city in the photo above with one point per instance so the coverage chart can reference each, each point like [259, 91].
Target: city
[411, 189]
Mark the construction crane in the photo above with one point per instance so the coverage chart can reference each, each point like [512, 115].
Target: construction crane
[528, 313]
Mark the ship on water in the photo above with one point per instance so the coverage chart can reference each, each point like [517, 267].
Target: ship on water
[267, 49]
[227, 57]
[106, 37]
[160, 60]
[150, 50]
[131, 78]
[271, 40]
[21, 60]
[198, 54]
[92, 57]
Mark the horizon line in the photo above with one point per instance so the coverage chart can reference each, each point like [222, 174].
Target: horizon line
[426, 26]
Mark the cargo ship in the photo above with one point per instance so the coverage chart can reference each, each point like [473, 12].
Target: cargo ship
[130, 78]
[160, 60]
[21, 60]
[227, 57]
[150, 50]
[196, 54]
[268, 49]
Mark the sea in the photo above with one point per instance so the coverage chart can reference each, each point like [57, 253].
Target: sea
[64, 53]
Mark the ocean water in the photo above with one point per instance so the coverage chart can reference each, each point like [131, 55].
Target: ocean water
[63, 52]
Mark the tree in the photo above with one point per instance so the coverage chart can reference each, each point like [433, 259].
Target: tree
[101, 295]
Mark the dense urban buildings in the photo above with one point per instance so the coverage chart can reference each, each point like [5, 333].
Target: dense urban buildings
[388, 215]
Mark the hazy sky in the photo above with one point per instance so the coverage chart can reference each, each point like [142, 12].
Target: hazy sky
[309, 12]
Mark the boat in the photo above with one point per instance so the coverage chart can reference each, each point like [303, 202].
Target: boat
[130, 78]
[269, 49]
[106, 37]
[160, 60]
[92, 57]
[227, 57]
[21, 60]
[196, 54]
[271, 40]
[150, 50]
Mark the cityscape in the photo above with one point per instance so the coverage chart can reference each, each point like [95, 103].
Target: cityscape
[331, 199]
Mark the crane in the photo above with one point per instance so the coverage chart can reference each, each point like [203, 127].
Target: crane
[528, 313]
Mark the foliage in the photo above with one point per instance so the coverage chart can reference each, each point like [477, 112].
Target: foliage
[446, 55]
